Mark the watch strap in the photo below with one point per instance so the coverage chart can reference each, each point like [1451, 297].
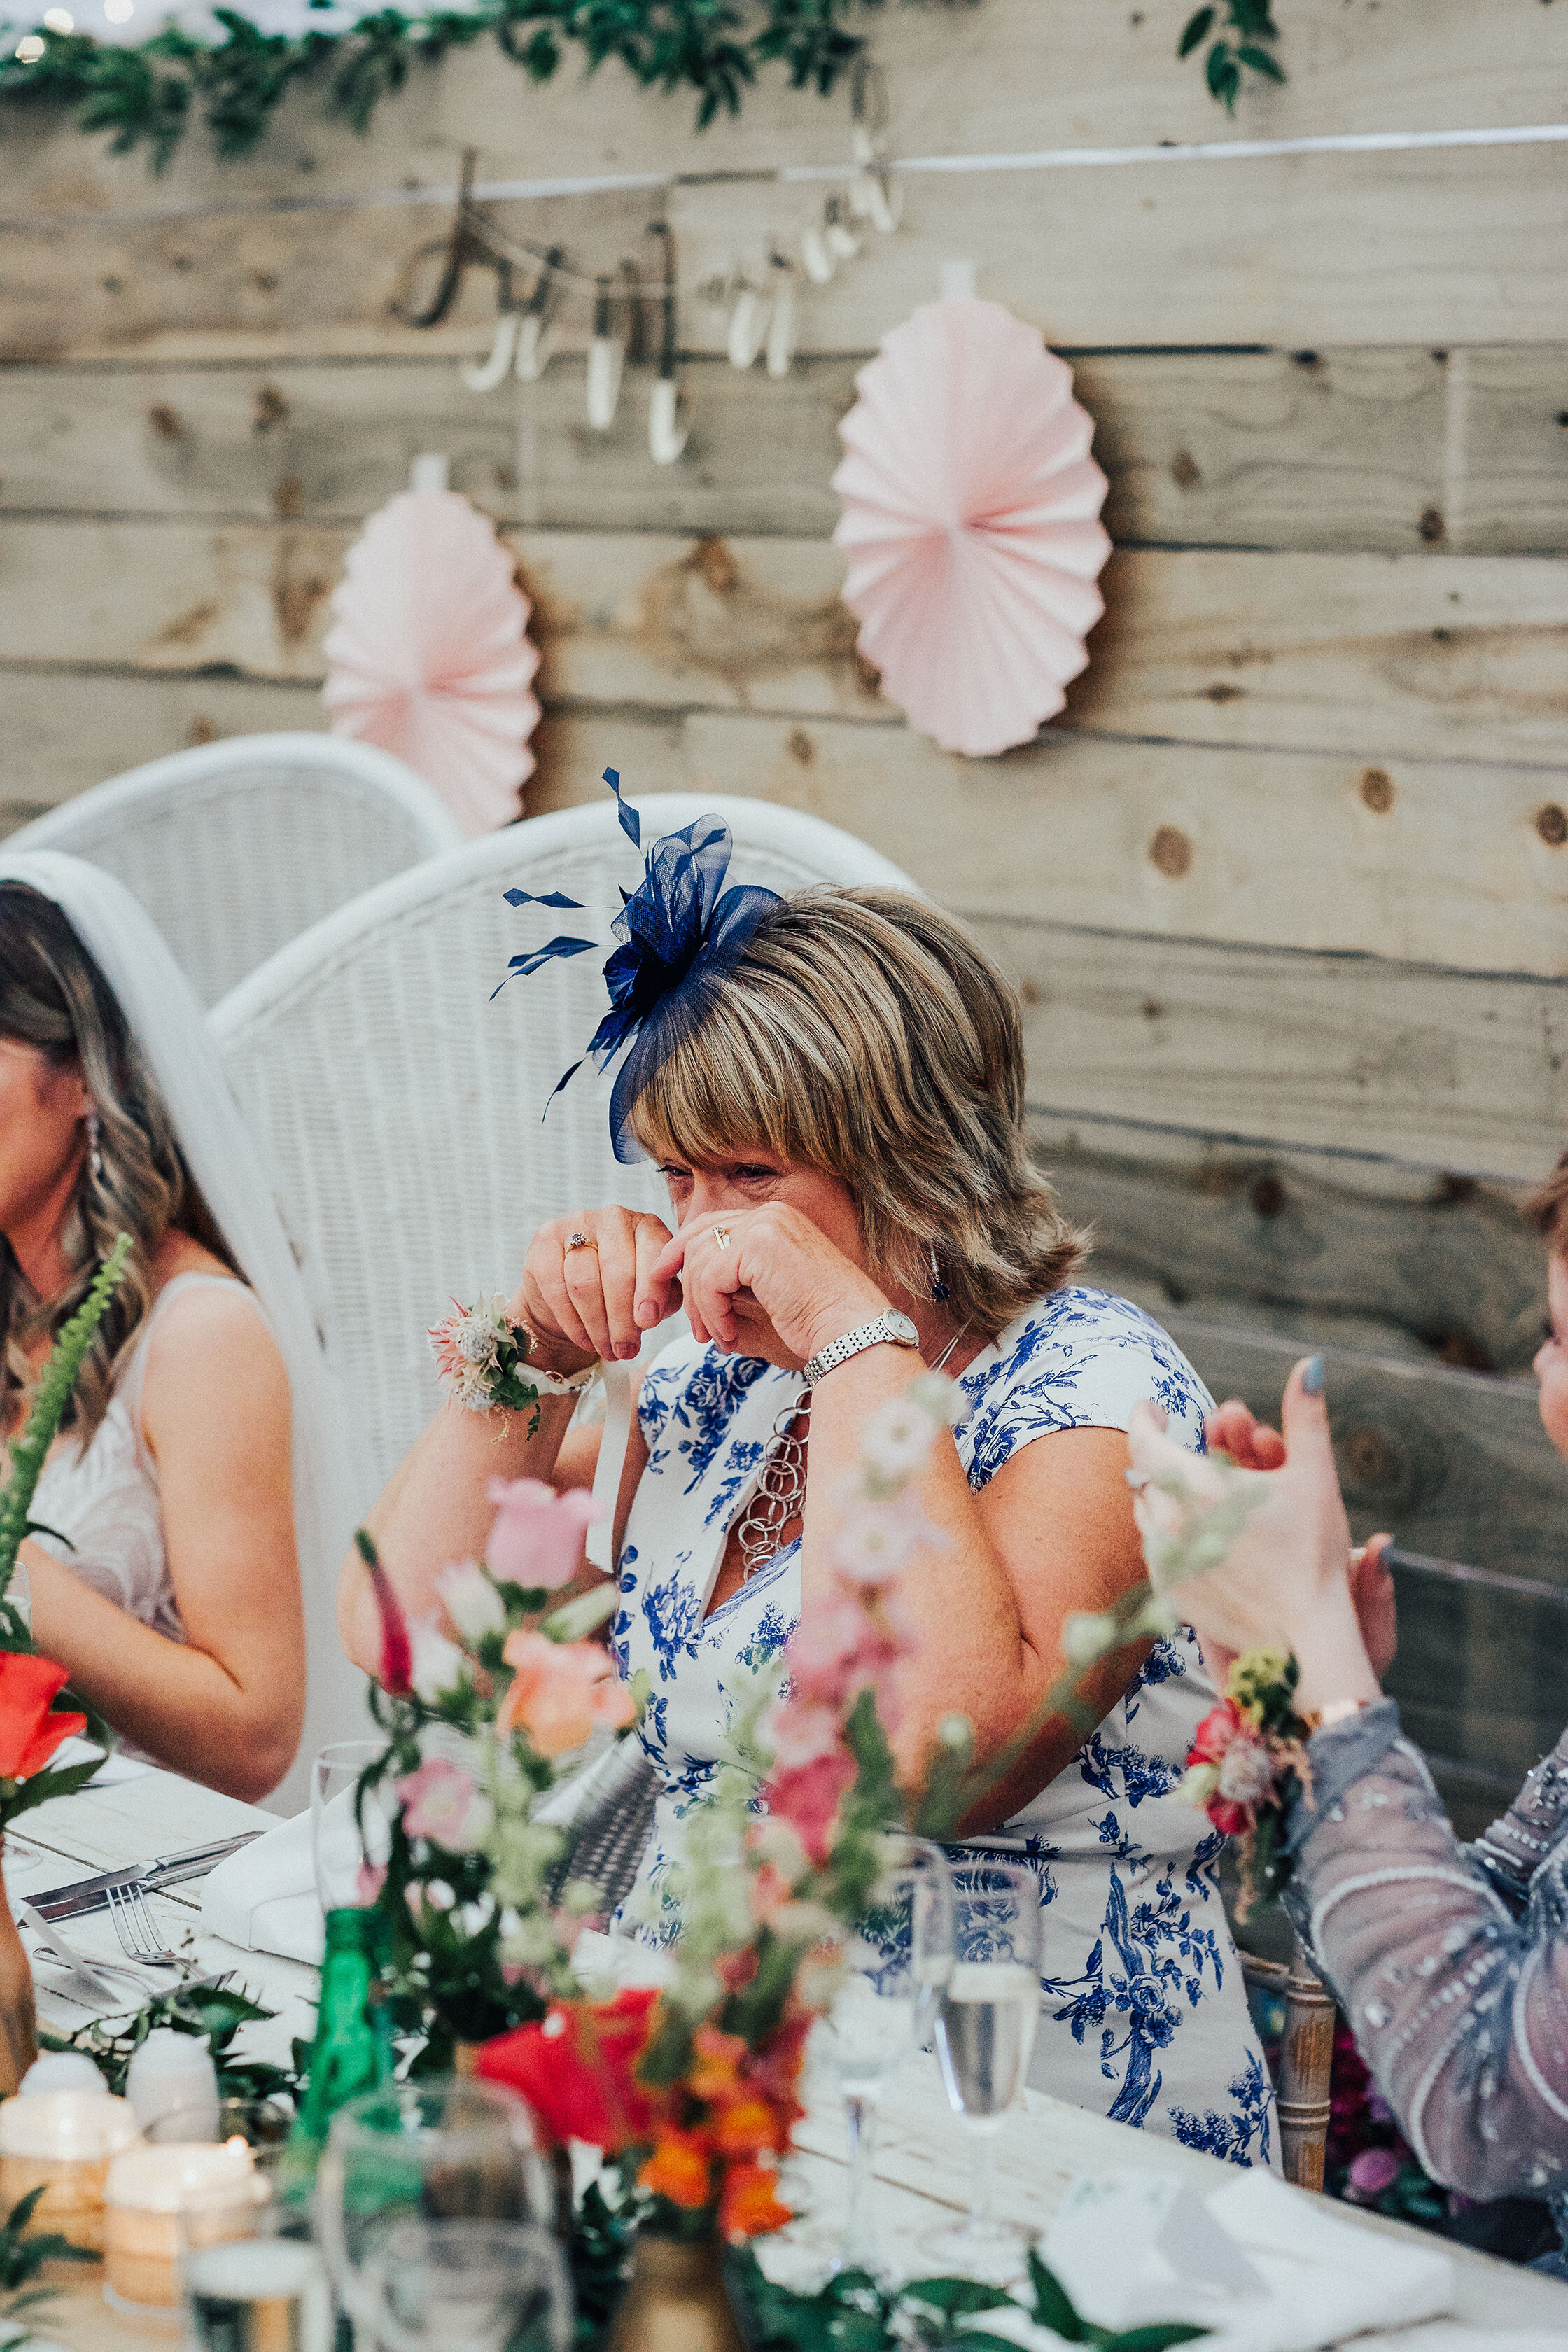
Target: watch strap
[878, 1332]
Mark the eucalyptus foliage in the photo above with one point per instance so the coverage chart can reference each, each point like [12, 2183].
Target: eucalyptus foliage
[150, 93]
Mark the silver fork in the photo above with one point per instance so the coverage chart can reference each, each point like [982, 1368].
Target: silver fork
[137, 1931]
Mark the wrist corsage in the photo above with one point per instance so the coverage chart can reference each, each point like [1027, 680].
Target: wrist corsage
[1248, 1761]
[482, 1357]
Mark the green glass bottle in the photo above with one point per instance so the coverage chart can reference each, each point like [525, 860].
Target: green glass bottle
[353, 2049]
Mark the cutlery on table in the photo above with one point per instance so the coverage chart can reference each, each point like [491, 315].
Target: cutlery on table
[69, 1901]
[96, 1973]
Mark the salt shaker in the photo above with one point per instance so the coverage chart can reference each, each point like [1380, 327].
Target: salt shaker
[61, 2070]
[171, 2084]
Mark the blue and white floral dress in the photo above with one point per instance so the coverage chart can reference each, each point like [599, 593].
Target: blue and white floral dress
[1143, 2014]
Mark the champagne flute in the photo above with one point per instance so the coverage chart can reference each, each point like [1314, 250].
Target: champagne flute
[985, 2038]
[350, 1839]
[894, 1970]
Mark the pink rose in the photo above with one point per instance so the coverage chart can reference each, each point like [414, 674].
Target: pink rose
[808, 1800]
[1373, 2171]
[537, 1537]
[801, 1731]
[441, 1802]
[1215, 1733]
[560, 1690]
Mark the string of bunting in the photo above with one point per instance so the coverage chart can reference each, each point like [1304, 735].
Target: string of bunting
[150, 93]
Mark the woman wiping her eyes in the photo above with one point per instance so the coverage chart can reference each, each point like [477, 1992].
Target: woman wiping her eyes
[833, 1085]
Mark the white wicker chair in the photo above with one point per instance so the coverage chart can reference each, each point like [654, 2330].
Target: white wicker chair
[403, 1105]
[236, 848]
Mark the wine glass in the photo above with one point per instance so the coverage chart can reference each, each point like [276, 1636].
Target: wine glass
[985, 2025]
[249, 2279]
[465, 2286]
[894, 1970]
[350, 1838]
[428, 2152]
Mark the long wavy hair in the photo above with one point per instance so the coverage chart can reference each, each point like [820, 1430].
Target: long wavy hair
[54, 997]
[863, 1033]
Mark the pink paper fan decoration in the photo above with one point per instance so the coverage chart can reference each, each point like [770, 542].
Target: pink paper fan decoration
[970, 507]
[430, 658]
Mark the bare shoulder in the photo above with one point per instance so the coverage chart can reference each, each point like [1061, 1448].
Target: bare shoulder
[213, 1337]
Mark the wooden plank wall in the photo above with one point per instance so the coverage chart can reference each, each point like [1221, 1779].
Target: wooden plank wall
[1285, 890]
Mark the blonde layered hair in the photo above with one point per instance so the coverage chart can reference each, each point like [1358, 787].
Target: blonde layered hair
[861, 1032]
[54, 997]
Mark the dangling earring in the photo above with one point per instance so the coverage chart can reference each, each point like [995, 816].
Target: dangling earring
[94, 1156]
[938, 1289]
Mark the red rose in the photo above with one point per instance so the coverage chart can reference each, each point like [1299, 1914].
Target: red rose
[577, 2069]
[1229, 1818]
[1215, 1733]
[29, 1733]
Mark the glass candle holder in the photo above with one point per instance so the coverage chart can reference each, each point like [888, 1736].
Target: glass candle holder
[148, 2192]
[63, 2142]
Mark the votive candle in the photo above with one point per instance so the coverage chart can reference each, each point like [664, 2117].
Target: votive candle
[147, 2191]
[63, 2142]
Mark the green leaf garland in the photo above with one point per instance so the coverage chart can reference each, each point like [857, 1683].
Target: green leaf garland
[150, 94]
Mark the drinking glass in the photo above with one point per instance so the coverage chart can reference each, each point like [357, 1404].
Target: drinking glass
[251, 2284]
[895, 1968]
[464, 2286]
[350, 1840]
[985, 2024]
[432, 2152]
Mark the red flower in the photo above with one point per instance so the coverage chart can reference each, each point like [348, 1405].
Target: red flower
[1229, 1818]
[29, 1733]
[680, 2169]
[577, 2069]
[1215, 1733]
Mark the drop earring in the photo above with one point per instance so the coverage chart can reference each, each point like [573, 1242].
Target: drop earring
[94, 1156]
[938, 1289]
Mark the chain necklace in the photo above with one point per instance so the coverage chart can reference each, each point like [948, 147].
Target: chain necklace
[781, 1489]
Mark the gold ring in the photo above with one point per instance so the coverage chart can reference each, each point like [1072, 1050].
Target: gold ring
[721, 1236]
[581, 1240]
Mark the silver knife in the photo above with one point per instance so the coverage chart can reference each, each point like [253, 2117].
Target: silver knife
[169, 1870]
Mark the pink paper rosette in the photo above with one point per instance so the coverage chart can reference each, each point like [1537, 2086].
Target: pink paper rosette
[971, 524]
[430, 657]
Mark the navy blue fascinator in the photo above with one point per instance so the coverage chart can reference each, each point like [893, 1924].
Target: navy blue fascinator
[679, 931]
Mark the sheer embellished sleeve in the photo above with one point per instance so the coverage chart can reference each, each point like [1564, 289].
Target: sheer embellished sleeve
[1458, 2001]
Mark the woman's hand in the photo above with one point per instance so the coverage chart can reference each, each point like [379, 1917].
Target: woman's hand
[597, 1300]
[1234, 1430]
[1285, 1581]
[739, 1264]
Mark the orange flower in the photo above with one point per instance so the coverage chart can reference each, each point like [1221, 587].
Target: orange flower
[29, 1734]
[715, 2073]
[560, 1690]
[678, 2169]
[745, 2127]
[750, 2205]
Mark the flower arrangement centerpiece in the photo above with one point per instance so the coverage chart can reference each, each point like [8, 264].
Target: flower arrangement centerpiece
[479, 1924]
[32, 1726]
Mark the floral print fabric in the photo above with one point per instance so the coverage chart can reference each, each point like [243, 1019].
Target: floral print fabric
[1143, 2013]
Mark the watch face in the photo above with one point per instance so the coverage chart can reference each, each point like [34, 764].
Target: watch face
[899, 1328]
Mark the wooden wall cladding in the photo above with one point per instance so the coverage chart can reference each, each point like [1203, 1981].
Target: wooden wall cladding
[1287, 886]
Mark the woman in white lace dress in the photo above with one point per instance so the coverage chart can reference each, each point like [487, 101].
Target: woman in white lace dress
[833, 1086]
[168, 1585]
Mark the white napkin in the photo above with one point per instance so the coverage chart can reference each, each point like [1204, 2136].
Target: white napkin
[1323, 2278]
[264, 1897]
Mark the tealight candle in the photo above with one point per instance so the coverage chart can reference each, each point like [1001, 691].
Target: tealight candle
[63, 2142]
[147, 2191]
[172, 2084]
[61, 2070]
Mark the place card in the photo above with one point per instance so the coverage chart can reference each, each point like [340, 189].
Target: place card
[1131, 2248]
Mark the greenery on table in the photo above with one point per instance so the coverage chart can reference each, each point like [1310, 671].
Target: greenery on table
[22, 2294]
[151, 93]
[214, 2010]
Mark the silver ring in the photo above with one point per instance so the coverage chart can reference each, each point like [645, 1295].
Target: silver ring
[721, 1236]
[581, 1240]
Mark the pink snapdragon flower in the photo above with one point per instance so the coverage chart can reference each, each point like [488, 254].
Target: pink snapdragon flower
[441, 1802]
[537, 1537]
[875, 1540]
[802, 1730]
[560, 1690]
[808, 1800]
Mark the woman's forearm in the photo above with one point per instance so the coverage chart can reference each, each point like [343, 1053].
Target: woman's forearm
[1458, 2008]
[436, 1508]
[191, 1711]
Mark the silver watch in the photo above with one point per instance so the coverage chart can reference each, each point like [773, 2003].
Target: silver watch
[892, 1325]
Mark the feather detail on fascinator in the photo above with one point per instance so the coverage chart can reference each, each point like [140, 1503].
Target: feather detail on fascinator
[679, 931]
